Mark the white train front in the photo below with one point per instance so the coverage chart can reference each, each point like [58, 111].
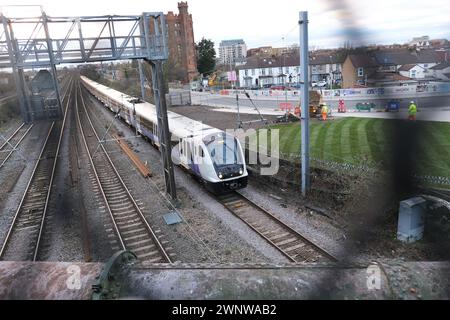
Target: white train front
[212, 155]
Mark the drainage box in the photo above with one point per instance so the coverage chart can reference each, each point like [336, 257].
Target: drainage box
[411, 219]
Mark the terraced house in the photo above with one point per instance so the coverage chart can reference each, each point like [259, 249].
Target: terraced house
[391, 67]
[263, 71]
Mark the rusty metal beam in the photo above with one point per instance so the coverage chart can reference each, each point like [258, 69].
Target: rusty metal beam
[58, 280]
[47, 280]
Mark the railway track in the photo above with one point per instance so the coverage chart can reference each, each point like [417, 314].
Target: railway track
[24, 235]
[10, 145]
[289, 242]
[132, 229]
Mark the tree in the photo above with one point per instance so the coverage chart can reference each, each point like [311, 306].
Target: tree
[173, 70]
[206, 61]
[90, 71]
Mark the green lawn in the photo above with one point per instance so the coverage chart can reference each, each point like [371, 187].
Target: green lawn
[366, 141]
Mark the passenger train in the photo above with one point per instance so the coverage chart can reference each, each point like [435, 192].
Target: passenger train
[212, 155]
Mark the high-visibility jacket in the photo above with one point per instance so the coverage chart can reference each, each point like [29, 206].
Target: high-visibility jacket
[324, 109]
[412, 109]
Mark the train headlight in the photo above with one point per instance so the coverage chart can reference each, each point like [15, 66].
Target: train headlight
[220, 176]
[240, 171]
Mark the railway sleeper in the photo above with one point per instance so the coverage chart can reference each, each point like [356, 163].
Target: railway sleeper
[138, 236]
[281, 235]
[150, 254]
[294, 247]
[233, 202]
[140, 243]
[32, 226]
[132, 231]
[29, 218]
[144, 248]
[131, 218]
[119, 197]
[127, 225]
[125, 213]
[32, 206]
[271, 231]
[287, 241]
[113, 188]
[109, 183]
[122, 206]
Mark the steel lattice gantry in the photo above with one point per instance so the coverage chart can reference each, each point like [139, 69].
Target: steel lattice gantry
[40, 41]
[44, 42]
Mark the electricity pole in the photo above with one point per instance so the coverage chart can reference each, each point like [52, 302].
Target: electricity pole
[304, 99]
[159, 95]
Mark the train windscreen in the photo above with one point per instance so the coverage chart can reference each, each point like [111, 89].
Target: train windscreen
[223, 149]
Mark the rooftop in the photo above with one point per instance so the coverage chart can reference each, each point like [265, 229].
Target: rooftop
[405, 56]
[407, 67]
[293, 59]
[232, 42]
[441, 66]
[272, 62]
[326, 58]
[362, 60]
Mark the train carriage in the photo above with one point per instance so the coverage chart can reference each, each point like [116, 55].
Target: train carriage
[212, 155]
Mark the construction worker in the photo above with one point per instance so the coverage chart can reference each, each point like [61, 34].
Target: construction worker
[412, 111]
[324, 112]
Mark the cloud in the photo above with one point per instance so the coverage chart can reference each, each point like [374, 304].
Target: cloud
[265, 22]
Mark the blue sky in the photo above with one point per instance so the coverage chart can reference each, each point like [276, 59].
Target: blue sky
[264, 22]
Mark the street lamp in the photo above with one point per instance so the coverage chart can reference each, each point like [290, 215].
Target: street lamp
[283, 73]
[331, 72]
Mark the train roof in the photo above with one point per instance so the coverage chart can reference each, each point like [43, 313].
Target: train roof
[179, 125]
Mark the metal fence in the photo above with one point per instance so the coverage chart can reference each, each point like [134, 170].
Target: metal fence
[178, 98]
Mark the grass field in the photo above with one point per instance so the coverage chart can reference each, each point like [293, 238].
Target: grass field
[366, 141]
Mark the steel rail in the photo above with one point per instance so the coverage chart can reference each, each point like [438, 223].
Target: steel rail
[94, 169]
[238, 196]
[27, 189]
[50, 187]
[14, 147]
[152, 234]
[8, 235]
[12, 136]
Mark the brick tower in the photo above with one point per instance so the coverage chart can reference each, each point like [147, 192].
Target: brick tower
[182, 54]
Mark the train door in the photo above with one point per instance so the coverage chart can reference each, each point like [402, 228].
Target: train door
[156, 133]
[180, 153]
[195, 157]
[137, 124]
[132, 112]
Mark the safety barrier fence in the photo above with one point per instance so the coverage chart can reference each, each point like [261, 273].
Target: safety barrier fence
[423, 90]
